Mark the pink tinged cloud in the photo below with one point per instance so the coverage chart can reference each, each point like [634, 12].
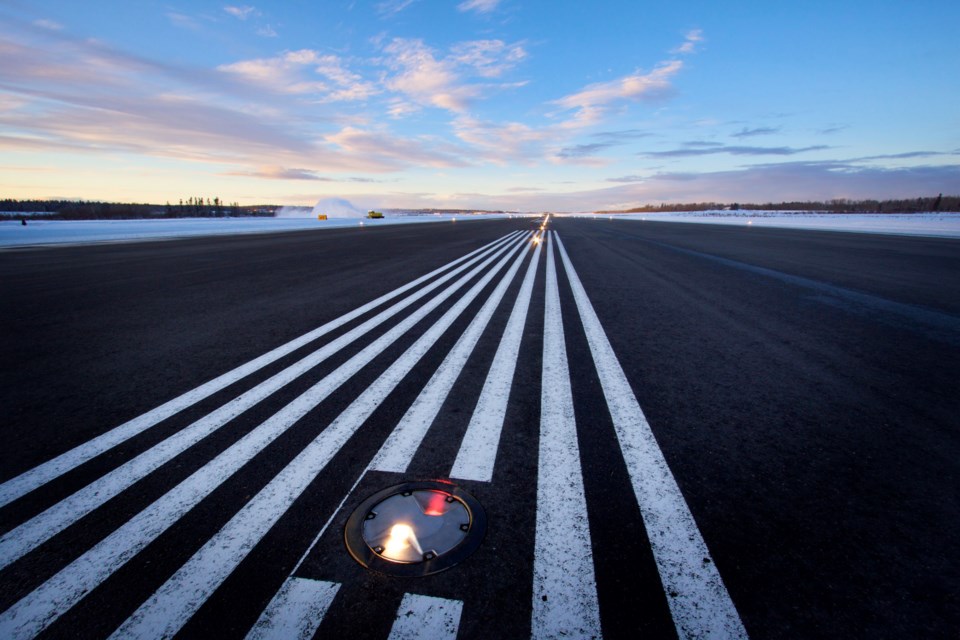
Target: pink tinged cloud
[488, 58]
[83, 96]
[694, 38]
[501, 143]
[591, 102]
[424, 79]
[280, 173]
[427, 80]
[398, 150]
[303, 72]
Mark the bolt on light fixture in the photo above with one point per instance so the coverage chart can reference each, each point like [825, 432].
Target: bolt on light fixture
[415, 528]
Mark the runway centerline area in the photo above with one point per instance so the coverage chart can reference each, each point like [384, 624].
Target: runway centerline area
[674, 432]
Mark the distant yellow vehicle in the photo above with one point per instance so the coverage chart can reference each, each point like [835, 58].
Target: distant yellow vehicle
[374, 214]
[321, 216]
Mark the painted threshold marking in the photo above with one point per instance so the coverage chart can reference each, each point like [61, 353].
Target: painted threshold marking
[175, 602]
[21, 540]
[426, 618]
[564, 585]
[478, 451]
[398, 450]
[701, 608]
[40, 608]
[436, 398]
[40, 475]
[296, 611]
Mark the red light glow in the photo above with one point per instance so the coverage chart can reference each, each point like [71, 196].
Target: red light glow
[437, 505]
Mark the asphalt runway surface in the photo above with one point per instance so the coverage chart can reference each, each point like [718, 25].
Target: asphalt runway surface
[671, 430]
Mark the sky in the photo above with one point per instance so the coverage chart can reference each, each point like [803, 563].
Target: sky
[479, 104]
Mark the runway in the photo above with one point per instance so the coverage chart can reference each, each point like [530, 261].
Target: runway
[676, 431]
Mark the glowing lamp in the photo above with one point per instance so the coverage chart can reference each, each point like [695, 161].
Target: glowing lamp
[415, 529]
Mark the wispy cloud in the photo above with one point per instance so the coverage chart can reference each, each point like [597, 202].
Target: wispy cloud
[690, 43]
[604, 140]
[390, 8]
[480, 6]
[584, 150]
[280, 173]
[241, 13]
[304, 72]
[428, 79]
[404, 151]
[833, 129]
[732, 150]
[425, 79]
[79, 95]
[909, 155]
[284, 73]
[48, 24]
[500, 143]
[489, 58]
[621, 136]
[286, 173]
[758, 131]
[182, 20]
[517, 141]
[590, 104]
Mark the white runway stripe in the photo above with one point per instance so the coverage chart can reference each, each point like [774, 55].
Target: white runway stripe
[431, 396]
[167, 610]
[427, 618]
[38, 476]
[564, 585]
[398, 450]
[296, 611]
[701, 608]
[45, 604]
[19, 541]
[478, 451]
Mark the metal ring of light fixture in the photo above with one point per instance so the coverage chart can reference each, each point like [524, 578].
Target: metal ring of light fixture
[415, 529]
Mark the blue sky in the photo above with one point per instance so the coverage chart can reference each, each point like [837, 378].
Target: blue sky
[494, 104]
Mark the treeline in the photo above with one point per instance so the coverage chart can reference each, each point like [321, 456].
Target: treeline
[842, 205]
[192, 207]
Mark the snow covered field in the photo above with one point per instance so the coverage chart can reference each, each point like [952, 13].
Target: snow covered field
[913, 224]
[46, 232]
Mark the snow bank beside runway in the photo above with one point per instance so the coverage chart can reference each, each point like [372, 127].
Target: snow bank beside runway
[46, 232]
[945, 225]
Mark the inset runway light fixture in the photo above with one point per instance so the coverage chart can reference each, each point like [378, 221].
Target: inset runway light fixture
[415, 528]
